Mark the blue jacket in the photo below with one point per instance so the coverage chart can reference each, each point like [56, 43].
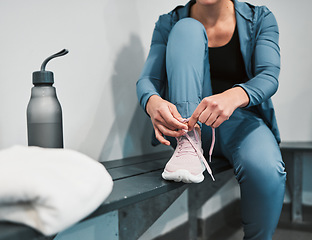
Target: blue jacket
[258, 35]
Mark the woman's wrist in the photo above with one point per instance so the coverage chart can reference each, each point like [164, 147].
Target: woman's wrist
[150, 102]
[238, 96]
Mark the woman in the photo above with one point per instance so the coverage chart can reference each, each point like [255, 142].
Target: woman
[214, 64]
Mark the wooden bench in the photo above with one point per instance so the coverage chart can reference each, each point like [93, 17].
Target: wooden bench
[147, 169]
[140, 196]
[294, 168]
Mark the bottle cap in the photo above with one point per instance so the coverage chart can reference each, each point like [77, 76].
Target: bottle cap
[43, 76]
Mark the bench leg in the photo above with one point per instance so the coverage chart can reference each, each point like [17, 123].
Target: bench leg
[296, 207]
[136, 218]
[198, 194]
[192, 214]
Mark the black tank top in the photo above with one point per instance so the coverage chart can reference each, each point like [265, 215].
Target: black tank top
[226, 65]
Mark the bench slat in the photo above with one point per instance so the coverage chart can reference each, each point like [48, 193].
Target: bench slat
[133, 170]
[138, 188]
[137, 159]
[296, 146]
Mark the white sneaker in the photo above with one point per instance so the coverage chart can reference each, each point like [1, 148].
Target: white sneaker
[187, 163]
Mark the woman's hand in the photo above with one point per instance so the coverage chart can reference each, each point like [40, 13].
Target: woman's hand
[165, 118]
[216, 109]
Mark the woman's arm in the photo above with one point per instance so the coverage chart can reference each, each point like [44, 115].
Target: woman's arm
[265, 61]
[216, 109]
[152, 79]
[164, 115]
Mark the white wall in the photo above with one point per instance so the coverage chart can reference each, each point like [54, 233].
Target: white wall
[108, 43]
[293, 99]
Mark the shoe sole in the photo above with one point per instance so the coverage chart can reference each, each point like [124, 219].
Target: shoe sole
[182, 175]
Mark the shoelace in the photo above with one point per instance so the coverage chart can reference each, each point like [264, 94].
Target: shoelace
[198, 151]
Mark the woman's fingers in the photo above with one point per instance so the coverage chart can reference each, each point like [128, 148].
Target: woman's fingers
[212, 111]
[165, 118]
[212, 118]
[173, 119]
[160, 131]
[160, 137]
[174, 111]
[166, 114]
[218, 121]
[169, 132]
[169, 122]
[195, 116]
[204, 116]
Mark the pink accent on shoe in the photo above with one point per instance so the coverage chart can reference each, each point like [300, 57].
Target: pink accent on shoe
[212, 143]
[200, 154]
[187, 162]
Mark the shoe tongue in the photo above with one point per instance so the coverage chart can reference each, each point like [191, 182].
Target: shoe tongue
[183, 140]
[185, 146]
[192, 134]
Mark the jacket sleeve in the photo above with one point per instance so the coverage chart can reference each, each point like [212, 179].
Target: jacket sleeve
[265, 62]
[152, 79]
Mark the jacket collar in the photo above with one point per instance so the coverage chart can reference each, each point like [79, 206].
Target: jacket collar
[244, 9]
[184, 12]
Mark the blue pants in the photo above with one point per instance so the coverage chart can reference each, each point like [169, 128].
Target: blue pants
[244, 140]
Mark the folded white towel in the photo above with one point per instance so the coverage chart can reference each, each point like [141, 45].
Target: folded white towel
[50, 189]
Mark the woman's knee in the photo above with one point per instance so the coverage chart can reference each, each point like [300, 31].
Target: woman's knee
[263, 169]
[188, 31]
[189, 25]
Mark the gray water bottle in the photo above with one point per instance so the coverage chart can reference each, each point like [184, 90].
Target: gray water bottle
[44, 112]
